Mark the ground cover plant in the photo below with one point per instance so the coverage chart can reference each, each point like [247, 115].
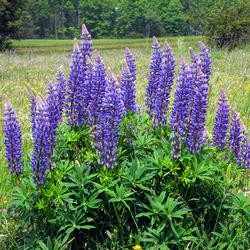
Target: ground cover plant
[105, 174]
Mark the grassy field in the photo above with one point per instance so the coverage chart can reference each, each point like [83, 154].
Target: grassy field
[34, 60]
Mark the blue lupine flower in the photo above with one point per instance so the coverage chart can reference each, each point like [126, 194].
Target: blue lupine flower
[235, 134]
[221, 121]
[40, 160]
[98, 86]
[32, 109]
[61, 85]
[205, 60]
[244, 154]
[107, 129]
[154, 77]
[12, 140]
[128, 89]
[164, 87]
[72, 99]
[197, 120]
[179, 114]
[129, 58]
[86, 44]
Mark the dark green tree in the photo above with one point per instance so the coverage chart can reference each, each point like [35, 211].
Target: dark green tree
[10, 21]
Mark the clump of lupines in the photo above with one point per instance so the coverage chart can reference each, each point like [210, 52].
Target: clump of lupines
[98, 86]
[235, 136]
[129, 58]
[221, 121]
[12, 140]
[198, 113]
[205, 60]
[40, 160]
[72, 100]
[154, 77]
[107, 129]
[164, 87]
[128, 89]
[179, 114]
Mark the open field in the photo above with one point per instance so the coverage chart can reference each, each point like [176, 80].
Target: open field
[36, 59]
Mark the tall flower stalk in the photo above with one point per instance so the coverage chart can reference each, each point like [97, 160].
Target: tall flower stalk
[235, 136]
[197, 121]
[12, 140]
[130, 59]
[107, 129]
[72, 99]
[40, 160]
[179, 114]
[154, 77]
[97, 91]
[128, 89]
[221, 121]
[164, 87]
[205, 60]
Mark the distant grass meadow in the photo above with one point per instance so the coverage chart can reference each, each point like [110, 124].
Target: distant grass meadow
[34, 60]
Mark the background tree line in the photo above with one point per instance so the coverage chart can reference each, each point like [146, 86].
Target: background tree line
[124, 18]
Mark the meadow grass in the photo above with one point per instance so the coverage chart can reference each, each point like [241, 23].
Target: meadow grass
[34, 60]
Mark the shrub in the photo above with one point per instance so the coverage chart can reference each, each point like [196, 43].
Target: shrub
[110, 176]
[230, 27]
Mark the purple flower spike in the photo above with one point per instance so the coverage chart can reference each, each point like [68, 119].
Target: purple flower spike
[107, 129]
[86, 44]
[12, 140]
[235, 134]
[154, 77]
[61, 85]
[163, 90]
[72, 101]
[32, 109]
[128, 89]
[129, 58]
[205, 60]
[244, 154]
[221, 121]
[98, 86]
[179, 114]
[197, 121]
[84, 92]
[54, 109]
[40, 161]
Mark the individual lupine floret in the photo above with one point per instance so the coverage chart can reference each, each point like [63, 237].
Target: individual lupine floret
[235, 136]
[40, 160]
[221, 121]
[98, 86]
[107, 129]
[128, 89]
[72, 102]
[154, 77]
[12, 140]
[32, 109]
[163, 90]
[86, 44]
[179, 114]
[129, 58]
[197, 121]
[205, 60]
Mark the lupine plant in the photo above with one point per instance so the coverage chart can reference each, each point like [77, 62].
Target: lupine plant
[109, 177]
